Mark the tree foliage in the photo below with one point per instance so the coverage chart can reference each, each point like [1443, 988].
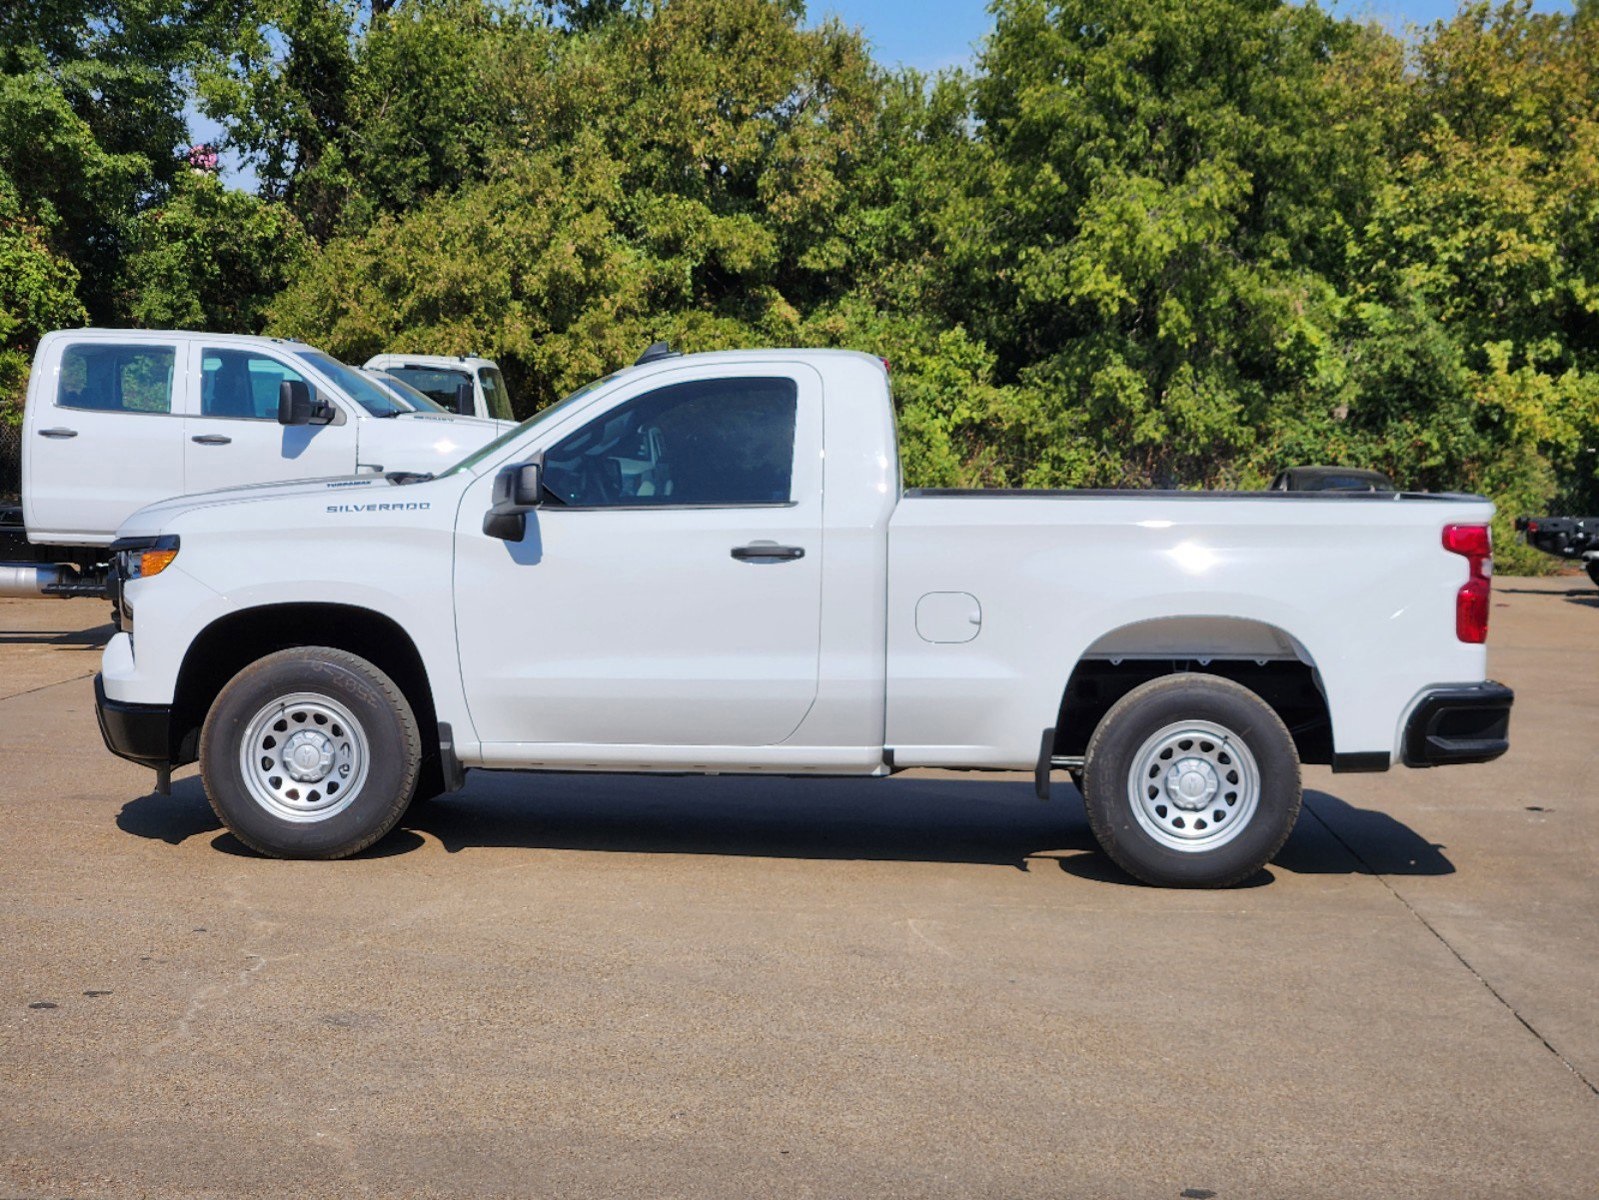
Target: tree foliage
[210, 258]
[1173, 242]
[38, 291]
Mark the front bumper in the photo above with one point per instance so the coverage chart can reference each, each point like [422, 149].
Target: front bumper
[140, 733]
[1468, 723]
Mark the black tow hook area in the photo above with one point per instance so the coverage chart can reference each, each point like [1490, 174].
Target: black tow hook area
[1469, 723]
[139, 733]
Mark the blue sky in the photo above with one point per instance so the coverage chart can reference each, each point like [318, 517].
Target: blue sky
[929, 34]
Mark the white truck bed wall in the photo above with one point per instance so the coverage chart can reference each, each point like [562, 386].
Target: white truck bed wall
[1361, 590]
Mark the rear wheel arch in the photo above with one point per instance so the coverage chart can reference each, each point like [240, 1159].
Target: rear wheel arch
[1257, 655]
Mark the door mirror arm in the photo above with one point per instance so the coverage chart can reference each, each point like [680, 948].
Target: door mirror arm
[518, 490]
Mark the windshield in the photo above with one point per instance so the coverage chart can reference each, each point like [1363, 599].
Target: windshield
[494, 393]
[407, 394]
[376, 400]
[440, 384]
[537, 419]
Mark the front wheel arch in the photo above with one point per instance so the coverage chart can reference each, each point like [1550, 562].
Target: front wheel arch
[232, 642]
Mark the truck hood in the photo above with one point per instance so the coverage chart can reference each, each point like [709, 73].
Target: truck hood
[352, 489]
[424, 441]
[498, 427]
[421, 442]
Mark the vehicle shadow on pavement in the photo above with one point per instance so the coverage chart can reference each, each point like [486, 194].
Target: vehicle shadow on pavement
[1368, 841]
[75, 639]
[173, 819]
[1585, 596]
[998, 823]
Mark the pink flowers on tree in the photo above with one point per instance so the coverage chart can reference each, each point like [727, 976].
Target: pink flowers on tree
[202, 157]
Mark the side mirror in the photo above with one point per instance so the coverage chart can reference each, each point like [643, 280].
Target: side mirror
[294, 402]
[518, 490]
[297, 405]
[463, 399]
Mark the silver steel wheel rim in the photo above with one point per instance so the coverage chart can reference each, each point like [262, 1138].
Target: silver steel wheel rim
[1194, 786]
[304, 757]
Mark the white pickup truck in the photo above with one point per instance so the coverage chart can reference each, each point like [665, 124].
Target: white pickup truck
[116, 419]
[708, 564]
[466, 385]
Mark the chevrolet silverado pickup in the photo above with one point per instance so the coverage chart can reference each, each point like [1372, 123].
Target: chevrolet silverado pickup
[708, 563]
[116, 419]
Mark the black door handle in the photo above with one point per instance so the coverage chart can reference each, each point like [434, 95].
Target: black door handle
[211, 439]
[58, 432]
[768, 552]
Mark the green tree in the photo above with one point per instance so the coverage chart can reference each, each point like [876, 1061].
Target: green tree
[38, 293]
[1145, 237]
[91, 114]
[276, 74]
[1476, 327]
[210, 258]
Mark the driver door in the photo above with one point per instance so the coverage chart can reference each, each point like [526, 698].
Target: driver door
[233, 435]
[668, 592]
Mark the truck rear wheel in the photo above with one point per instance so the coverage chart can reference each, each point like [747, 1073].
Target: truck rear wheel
[310, 753]
[1593, 570]
[1191, 781]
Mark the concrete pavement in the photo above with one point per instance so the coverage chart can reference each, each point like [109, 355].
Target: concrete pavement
[926, 986]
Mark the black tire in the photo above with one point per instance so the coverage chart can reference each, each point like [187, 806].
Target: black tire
[337, 689]
[1593, 570]
[1141, 837]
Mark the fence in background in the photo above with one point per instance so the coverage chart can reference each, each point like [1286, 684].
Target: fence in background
[10, 463]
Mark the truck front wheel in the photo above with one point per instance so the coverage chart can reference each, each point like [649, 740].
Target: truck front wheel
[1191, 781]
[310, 753]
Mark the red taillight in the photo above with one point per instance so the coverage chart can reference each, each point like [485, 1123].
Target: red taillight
[1474, 541]
[1475, 544]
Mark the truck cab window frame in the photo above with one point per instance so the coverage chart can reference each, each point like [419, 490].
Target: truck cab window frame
[713, 443]
[104, 377]
[233, 390]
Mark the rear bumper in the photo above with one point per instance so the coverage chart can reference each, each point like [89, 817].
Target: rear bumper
[140, 733]
[1468, 723]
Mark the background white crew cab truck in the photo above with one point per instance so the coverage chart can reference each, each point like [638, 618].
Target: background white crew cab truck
[708, 563]
[470, 386]
[117, 419]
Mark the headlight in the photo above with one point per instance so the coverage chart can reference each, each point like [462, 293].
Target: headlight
[137, 558]
[143, 558]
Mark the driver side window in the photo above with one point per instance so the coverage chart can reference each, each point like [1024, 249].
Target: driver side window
[716, 443]
[237, 383]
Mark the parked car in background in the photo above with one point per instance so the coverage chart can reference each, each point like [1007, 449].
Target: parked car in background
[1572, 538]
[470, 386]
[116, 419]
[1331, 479]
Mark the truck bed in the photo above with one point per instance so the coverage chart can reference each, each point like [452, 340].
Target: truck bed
[1116, 575]
[1179, 494]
